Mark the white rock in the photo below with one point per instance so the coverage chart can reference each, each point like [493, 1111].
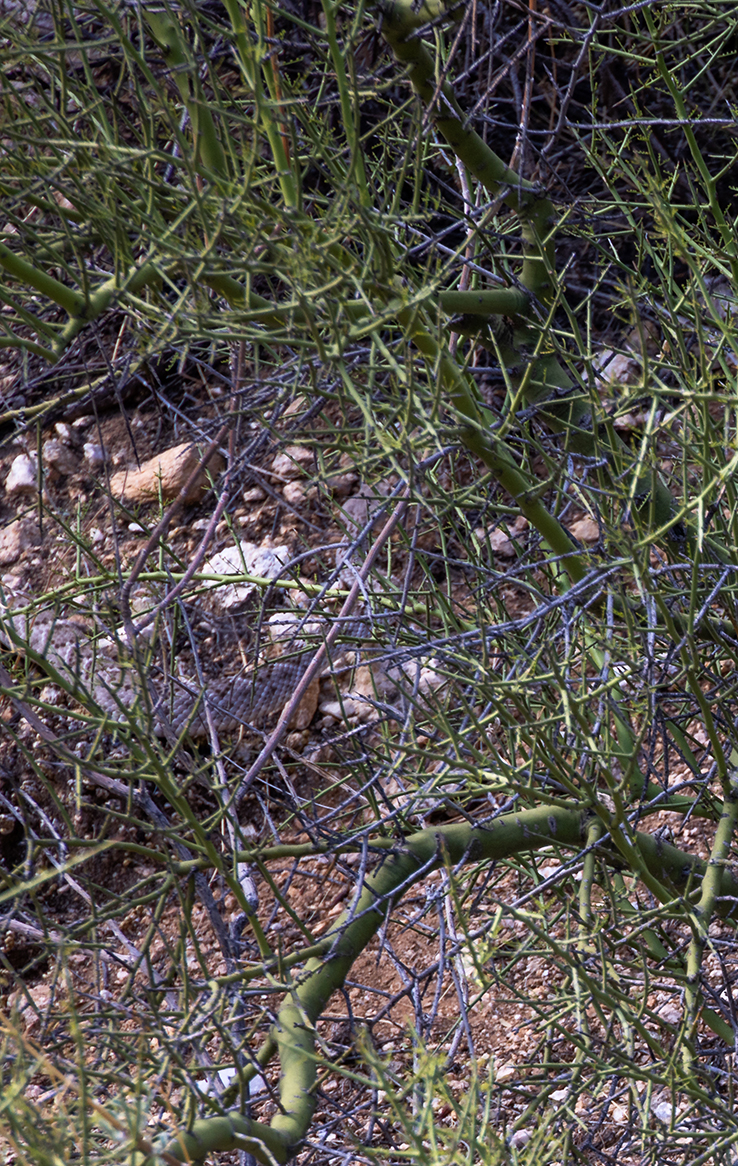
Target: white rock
[500, 544]
[619, 369]
[282, 628]
[64, 432]
[292, 462]
[340, 710]
[664, 1111]
[96, 535]
[670, 1012]
[23, 476]
[429, 680]
[244, 558]
[135, 528]
[520, 1138]
[94, 455]
[58, 458]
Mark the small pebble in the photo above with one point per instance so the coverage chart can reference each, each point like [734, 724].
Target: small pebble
[94, 455]
[294, 493]
[255, 494]
[520, 1138]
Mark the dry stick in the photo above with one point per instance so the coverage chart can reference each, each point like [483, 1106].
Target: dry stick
[316, 663]
[518, 154]
[118, 789]
[236, 377]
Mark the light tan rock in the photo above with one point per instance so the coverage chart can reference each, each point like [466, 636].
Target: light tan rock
[293, 462]
[586, 530]
[294, 493]
[307, 707]
[501, 544]
[620, 369]
[167, 474]
[16, 538]
[255, 494]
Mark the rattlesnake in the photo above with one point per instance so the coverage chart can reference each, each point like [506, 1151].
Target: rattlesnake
[97, 674]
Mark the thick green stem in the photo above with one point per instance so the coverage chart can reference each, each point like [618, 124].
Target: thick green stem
[704, 911]
[136, 279]
[396, 873]
[400, 23]
[72, 301]
[166, 31]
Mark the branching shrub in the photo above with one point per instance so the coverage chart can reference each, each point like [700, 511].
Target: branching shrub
[539, 787]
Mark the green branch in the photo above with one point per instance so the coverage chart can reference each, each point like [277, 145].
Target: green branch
[34, 277]
[396, 873]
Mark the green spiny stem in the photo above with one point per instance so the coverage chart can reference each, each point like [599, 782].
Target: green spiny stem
[20, 343]
[165, 29]
[26, 273]
[399, 27]
[544, 383]
[253, 60]
[704, 910]
[396, 873]
[357, 171]
[727, 230]
[492, 451]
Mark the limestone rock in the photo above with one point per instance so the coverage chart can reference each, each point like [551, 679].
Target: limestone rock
[23, 476]
[166, 473]
[245, 558]
[292, 462]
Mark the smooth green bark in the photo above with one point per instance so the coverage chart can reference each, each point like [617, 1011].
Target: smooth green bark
[396, 872]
